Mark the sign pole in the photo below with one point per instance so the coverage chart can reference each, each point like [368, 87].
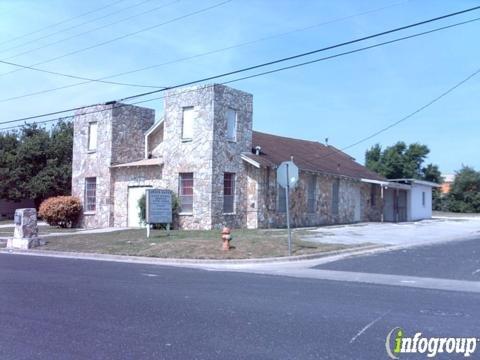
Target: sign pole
[287, 193]
[148, 230]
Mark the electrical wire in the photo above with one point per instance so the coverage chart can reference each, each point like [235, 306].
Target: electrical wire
[211, 52]
[202, 10]
[265, 64]
[61, 31]
[149, 11]
[61, 22]
[286, 68]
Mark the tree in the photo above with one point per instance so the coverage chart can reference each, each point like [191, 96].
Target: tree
[464, 195]
[36, 163]
[399, 161]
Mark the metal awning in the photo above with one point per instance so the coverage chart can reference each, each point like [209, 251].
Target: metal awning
[387, 184]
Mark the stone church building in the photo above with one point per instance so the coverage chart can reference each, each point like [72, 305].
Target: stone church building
[223, 172]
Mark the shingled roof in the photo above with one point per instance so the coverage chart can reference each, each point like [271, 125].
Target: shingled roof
[309, 156]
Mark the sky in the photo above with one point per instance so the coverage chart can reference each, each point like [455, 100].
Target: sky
[344, 99]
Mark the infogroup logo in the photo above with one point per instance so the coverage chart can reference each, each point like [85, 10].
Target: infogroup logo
[397, 343]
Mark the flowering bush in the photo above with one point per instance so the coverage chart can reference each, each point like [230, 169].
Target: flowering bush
[60, 211]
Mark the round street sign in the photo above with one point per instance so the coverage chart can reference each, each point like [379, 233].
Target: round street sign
[292, 174]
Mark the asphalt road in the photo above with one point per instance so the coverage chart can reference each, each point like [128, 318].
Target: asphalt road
[453, 260]
[76, 309]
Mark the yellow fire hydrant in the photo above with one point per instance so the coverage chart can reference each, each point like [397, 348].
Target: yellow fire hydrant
[226, 237]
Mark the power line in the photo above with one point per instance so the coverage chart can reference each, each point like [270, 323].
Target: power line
[405, 118]
[61, 22]
[376, 133]
[85, 78]
[202, 10]
[78, 77]
[305, 53]
[352, 51]
[74, 26]
[413, 113]
[90, 30]
[266, 64]
[211, 52]
[254, 75]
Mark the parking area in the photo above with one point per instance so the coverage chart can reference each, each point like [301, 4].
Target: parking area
[422, 232]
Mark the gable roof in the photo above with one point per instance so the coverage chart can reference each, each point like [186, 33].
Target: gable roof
[308, 155]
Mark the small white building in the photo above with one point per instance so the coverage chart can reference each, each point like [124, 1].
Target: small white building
[407, 199]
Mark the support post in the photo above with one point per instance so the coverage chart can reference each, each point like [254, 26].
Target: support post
[148, 230]
[383, 203]
[287, 193]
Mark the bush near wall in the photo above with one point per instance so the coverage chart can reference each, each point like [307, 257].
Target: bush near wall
[61, 211]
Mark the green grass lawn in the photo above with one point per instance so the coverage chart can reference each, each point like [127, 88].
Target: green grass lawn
[188, 244]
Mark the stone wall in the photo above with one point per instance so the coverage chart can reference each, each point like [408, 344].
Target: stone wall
[192, 156]
[125, 177]
[96, 163]
[208, 154]
[128, 132]
[352, 193]
[119, 138]
[227, 154]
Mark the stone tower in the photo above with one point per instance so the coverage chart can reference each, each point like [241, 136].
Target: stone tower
[206, 128]
[105, 135]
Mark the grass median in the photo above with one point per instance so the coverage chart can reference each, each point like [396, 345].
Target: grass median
[189, 244]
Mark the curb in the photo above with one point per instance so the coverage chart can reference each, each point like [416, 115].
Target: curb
[175, 261]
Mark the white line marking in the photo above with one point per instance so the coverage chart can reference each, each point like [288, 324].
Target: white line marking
[368, 326]
[476, 271]
[150, 275]
[408, 281]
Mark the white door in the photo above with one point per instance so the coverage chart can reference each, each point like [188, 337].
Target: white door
[134, 194]
[358, 199]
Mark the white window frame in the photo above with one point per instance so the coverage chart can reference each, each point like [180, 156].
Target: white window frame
[88, 204]
[92, 141]
[182, 196]
[232, 195]
[188, 123]
[231, 134]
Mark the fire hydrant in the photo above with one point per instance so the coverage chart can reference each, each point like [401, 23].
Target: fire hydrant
[226, 237]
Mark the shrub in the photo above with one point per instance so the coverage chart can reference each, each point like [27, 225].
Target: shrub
[60, 211]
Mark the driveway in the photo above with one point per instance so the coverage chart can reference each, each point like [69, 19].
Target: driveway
[411, 233]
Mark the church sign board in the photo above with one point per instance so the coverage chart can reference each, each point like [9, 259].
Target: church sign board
[158, 206]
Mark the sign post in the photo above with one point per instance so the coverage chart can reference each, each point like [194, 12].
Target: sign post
[158, 208]
[287, 176]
